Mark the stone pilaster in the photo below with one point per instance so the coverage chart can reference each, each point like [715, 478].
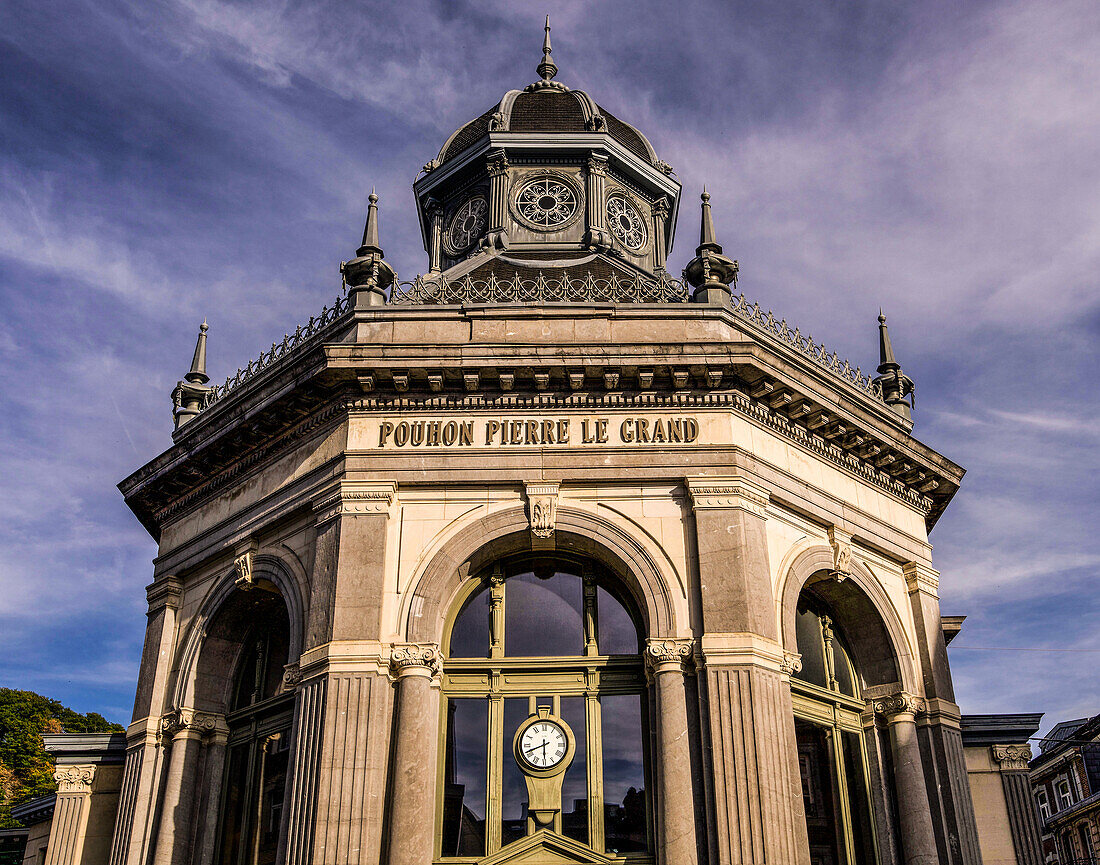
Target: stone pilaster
[497, 166]
[660, 223]
[1023, 818]
[665, 661]
[435, 247]
[918, 839]
[309, 715]
[214, 762]
[411, 831]
[70, 815]
[596, 236]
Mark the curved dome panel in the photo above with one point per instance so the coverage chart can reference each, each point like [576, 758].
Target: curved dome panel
[469, 134]
[547, 111]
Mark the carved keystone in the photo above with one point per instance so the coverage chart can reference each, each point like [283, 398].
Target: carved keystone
[542, 507]
[841, 542]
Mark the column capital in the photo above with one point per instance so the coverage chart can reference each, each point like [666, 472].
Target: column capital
[919, 577]
[894, 706]
[415, 659]
[74, 779]
[354, 498]
[727, 493]
[791, 664]
[667, 656]
[1012, 758]
[186, 721]
[722, 650]
[164, 591]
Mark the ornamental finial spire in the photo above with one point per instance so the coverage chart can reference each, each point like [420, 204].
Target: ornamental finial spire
[368, 275]
[706, 224]
[190, 395]
[547, 69]
[197, 373]
[710, 272]
[370, 230]
[897, 389]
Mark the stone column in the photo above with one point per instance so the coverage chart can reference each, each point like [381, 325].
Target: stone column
[1023, 821]
[176, 831]
[435, 245]
[660, 220]
[70, 814]
[497, 166]
[411, 830]
[144, 752]
[214, 773]
[675, 796]
[755, 810]
[595, 183]
[918, 840]
[941, 738]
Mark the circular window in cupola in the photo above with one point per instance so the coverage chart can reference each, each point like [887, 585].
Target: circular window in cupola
[467, 224]
[548, 202]
[626, 222]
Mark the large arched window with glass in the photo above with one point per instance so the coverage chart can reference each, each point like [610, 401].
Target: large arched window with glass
[555, 636]
[258, 749]
[831, 756]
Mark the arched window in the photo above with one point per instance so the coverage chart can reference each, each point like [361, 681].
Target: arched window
[543, 670]
[258, 749]
[831, 756]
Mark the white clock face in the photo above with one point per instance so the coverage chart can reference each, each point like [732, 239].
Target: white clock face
[543, 744]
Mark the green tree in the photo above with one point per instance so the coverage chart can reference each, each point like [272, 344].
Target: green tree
[26, 770]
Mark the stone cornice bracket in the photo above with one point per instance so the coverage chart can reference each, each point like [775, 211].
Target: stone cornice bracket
[921, 578]
[1012, 758]
[74, 779]
[668, 656]
[355, 498]
[791, 664]
[415, 659]
[542, 507]
[243, 562]
[164, 592]
[186, 720]
[895, 706]
[841, 542]
[726, 493]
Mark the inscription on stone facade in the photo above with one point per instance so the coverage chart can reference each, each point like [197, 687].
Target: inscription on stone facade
[538, 431]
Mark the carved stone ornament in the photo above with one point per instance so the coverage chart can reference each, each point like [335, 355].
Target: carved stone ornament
[707, 493]
[671, 651]
[243, 566]
[415, 658]
[1012, 757]
[841, 542]
[74, 779]
[292, 675]
[792, 663]
[898, 704]
[354, 499]
[542, 508]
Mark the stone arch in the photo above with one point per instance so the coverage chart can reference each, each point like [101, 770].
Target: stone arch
[207, 660]
[880, 648]
[475, 543]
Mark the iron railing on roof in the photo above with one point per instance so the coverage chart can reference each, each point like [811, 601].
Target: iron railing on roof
[558, 288]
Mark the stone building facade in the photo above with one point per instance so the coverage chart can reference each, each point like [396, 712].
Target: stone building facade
[1065, 778]
[545, 556]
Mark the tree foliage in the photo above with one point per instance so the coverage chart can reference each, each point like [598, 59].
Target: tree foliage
[26, 770]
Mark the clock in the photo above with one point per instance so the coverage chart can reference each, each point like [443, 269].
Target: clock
[543, 745]
[468, 224]
[626, 222]
[547, 202]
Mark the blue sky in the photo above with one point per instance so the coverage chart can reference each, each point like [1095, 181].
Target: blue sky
[165, 161]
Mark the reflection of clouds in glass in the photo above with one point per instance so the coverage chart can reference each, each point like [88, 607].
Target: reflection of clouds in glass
[617, 632]
[622, 746]
[471, 719]
[543, 617]
[470, 633]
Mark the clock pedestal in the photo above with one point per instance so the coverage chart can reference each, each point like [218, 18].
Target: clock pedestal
[544, 783]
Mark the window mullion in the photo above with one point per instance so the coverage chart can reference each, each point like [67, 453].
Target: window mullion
[594, 756]
[496, 614]
[591, 622]
[846, 828]
[494, 806]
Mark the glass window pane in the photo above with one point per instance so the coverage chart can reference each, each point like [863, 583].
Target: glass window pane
[623, 774]
[464, 777]
[574, 791]
[543, 615]
[513, 787]
[274, 758]
[815, 764]
[811, 647]
[470, 633]
[616, 630]
[236, 800]
[863, 832]
[842, 669]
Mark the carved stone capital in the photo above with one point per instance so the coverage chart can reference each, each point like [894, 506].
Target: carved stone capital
[187, 720]
[895, 705]
[355, 498]
[164, 592]
[497, 163]
[667, 655]
[661, 208]
[921, 578]
[415, 659]
[596, 164]
[292, 676]
[791, 663]
[726, 493]
[1012, 757]
[542, 507]
[74, 779]
[841, 542]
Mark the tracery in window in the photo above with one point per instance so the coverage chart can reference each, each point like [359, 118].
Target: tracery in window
[547, 636]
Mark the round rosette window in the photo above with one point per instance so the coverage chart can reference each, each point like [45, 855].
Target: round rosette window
[547, 202]
[626, 222]
[468, 224]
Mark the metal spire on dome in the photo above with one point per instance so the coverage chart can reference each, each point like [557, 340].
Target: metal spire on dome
[368, 275]
[897, 389]
[706, 225]
[197, 373]
[190, 394]
[710, 272]
[370, 230]
[548, 68]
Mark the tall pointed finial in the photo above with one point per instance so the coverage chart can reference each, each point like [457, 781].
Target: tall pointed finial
[547, 69]
[370, 230]
[897, 389]
[710, 272]
[197, 373]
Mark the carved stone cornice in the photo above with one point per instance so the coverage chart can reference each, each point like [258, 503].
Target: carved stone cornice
[187, 720]
[841, 543]
[921, 578]
[165, 591]
[668, 655]
[74, 779]
[355, 498]
[1012, 758]
[726, 493]
[415, 659]
[542, 507]
[893, 706]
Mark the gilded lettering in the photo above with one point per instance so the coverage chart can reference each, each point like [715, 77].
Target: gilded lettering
[492, 427]
[466, 432]
[563, 432]
[384, 432]
[626, 430]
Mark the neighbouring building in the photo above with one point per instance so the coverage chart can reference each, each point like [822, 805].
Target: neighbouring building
[1065, 778]
[545, 556]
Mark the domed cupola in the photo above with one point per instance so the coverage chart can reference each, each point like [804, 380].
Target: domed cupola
[546, 178]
